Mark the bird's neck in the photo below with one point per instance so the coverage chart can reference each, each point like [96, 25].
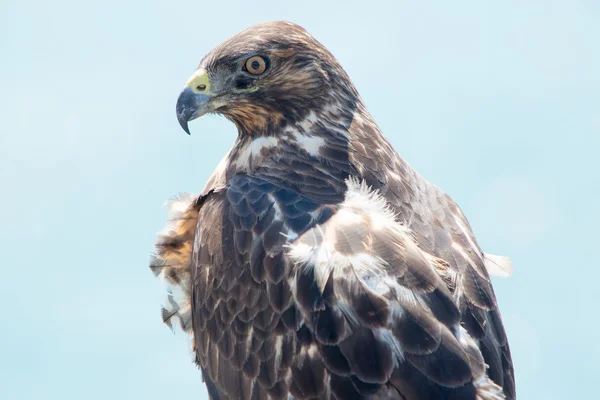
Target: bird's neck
[314, 156]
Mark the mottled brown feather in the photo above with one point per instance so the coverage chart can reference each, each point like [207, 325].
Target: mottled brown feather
[401, 307]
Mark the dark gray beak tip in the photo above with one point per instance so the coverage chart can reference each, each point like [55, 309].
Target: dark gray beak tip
[186, 107]
[184, 124]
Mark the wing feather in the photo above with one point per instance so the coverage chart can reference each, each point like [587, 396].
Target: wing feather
[288, 295]
[398, 312]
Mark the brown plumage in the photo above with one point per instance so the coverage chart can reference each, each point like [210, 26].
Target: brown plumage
[316, 264]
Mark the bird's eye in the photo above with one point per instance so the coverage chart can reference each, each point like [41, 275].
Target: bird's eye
[256, 65]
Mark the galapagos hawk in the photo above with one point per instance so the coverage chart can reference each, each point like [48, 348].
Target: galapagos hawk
[316, 263]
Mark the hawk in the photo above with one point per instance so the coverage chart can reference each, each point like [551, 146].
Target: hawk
[316, 263]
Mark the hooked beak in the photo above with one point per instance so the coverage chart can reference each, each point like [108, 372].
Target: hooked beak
[194, 100]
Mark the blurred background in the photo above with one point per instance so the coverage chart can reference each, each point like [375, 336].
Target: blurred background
[498, 104]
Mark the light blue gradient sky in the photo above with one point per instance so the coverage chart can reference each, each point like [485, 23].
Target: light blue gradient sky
[497, 104]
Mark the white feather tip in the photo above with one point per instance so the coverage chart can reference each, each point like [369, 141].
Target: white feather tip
[498, 265]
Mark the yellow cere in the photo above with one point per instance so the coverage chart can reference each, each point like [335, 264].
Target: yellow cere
[199, 82]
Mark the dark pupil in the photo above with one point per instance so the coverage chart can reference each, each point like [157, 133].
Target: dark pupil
[255, 64]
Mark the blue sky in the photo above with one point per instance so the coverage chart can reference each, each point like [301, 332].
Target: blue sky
[498, 104]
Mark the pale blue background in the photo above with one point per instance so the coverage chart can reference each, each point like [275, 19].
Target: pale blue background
[497, 104]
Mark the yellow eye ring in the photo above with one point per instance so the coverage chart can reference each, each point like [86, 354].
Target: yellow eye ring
[256, 65]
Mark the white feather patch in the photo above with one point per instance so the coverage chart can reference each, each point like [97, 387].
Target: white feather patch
[360, 197]
[311, 144]
[252, 151]
[360, 202]
[498, 265]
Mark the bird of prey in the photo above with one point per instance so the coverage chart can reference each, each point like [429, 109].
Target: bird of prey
[316, 263]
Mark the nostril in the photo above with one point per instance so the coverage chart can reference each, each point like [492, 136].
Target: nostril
[201, 88]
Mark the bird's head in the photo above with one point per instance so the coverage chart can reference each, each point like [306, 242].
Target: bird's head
[263, 78]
